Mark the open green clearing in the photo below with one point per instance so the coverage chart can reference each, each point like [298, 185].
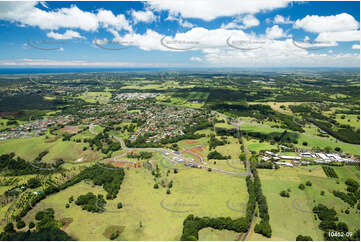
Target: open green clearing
[312, 141]
[29, 148]
[286, 220]
[209, 234]
[194, 191]
[348, 119]
[93, 97]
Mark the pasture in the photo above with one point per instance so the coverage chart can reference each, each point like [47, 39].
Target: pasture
[288, 215]
[148, 213]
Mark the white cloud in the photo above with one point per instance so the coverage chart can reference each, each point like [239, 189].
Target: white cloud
[150, 40]
[212, 9]
[26, 13]
[143, 16]
[44, 4]
[343, 36]
[100, 41]
[185, 23]
[279, 19]
[275, 32]
[69, 34]
[196, 39]
[280, 53]
[180, 20]
[356, 47]
[333, 23]
[244, 22]
[197, 59]
[108, 19]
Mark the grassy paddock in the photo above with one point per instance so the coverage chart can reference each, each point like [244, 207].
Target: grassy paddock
[288, 215]
[194, 191]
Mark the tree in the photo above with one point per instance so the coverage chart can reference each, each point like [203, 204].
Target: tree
[304, 143]
[168, 191]
[114, 235]
[303, 238]
[67, 205]
[342, 227]
[322, 193]
[302, 187]
[9, 228]
[309, 183]
[34, 183]
[120, 205]
[156, 186]
[31, 225]
[284, 194]
[263, 228]
[21, 224]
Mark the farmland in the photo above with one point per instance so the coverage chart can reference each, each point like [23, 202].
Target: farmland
[201, 146]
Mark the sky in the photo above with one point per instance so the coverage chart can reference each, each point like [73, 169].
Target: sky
[174, 33]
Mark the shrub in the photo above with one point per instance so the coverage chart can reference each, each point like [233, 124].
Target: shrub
[114, 235]
[329, 171]
[322, 193]
[168, 191]
[31, 225]
[284, 194]
[34, 183]
[120, 205]
[302, 187]
[156, 186]
[303, 238]
[309, 183]
[9, 228]
[304, 143]
[263, 228]
[21, 224]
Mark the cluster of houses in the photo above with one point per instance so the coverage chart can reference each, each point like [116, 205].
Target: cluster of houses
[167, 122]
[305, 158]
[136, 96]
[34, 128]
[157, 121]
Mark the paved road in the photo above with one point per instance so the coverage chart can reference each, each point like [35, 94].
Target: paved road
[225, 172]
[248, 164]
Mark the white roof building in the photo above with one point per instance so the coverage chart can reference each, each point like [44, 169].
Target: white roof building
[323, 156]
[265, 158]
[287, 157]
[284, 164]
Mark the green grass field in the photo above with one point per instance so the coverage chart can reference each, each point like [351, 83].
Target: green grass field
[209, 234]
[313, 141]
[194, 191]
[233, 149]
[29, 148]
[292, 216]
[349, 119]
[255, 145]
[93, 97]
